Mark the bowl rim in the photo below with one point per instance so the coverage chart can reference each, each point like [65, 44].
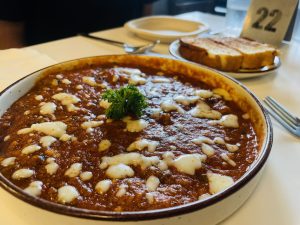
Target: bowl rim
[132, 26]
[149, 214]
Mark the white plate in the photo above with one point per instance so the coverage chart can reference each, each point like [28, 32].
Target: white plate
[241, 74]
[164, 28]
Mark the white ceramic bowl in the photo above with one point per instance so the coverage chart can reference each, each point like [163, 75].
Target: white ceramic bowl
[208, 211]
[164, 28]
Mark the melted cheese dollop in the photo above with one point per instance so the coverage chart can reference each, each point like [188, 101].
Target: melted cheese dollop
[230, 121]
[218, 182]
[22, 173]
[67, 100]
[34, 188]
[8, 161]
[55, 129]
[119, 171]
[152, 183]
[103, 186]
[204, 93]
[67, 194]
[74, 170]
[135, 125]
[186, 100]
[143, 143]
[30, 149]
[135, 79]
[202, 110]
[48, 108]
[169, 105]
[104, 145]
[46, 141]
[188, 163]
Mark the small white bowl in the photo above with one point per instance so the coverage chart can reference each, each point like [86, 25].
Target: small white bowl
[164, 28]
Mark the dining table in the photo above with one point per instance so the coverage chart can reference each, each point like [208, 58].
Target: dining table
[276, 199]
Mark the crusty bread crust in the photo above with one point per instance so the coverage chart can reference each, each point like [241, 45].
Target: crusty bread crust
[227, 53]
[210, 53]
[255, 54]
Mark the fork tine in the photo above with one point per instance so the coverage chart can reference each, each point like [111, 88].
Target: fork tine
[280, 115]
[282, 110]
[285, 125]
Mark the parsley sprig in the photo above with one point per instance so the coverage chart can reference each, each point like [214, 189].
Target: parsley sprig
[125, 101]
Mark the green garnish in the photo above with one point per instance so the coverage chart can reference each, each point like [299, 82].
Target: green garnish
[124, 101]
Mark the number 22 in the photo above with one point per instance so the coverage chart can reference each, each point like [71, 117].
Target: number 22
[264, 12]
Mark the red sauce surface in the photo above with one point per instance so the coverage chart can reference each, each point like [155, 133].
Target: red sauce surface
[170, 129]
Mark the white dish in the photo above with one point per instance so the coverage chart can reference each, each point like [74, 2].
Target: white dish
[208, 211]
[241, 74]
[164, 28]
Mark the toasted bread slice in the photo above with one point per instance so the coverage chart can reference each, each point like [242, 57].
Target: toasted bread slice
[213, 54]
[255, 55]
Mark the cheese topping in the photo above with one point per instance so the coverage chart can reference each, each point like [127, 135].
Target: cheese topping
[48, 108]
[204, 93]
[79, 87]
[204, 196]
[232, 148]
[226, 158]
[59, 76]
[46, 141]
[223, 93]
[51, 168]
[207, 150]
[150, 198]
[30, 149]
[188, 163]
[105, 104]
[218, 182]
[39, 97]
[66, 81]
[218, 140]
[91, 124]
[186, 100]
[34, 188]
[161, 80]
[135, 125]
[74, 170]
[169, 105]
[66, 137]
[119, 171]
[152, 183]
[202, 139]
[90, 81]
[8, 161]
[6, 138]
[143, 143]
[226, 121]
[87, 175]
[67, 194]
[24, 131]
[133, 158]
[122, 190]
[55, 129]
[22, 173]
[104, 145]
[202, 110]
[103, 186]
[27, 112]
[67, 100]
[135, 79]
[185, 163]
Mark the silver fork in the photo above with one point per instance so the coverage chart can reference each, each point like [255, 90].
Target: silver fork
[285, 118]
[127, 48]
